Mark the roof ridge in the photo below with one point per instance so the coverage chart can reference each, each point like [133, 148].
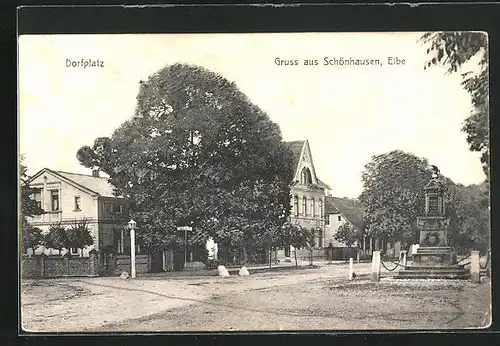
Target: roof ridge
[82, 174]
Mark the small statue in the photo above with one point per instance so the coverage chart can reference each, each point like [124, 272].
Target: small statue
[435, 171]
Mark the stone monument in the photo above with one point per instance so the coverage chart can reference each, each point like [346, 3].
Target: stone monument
[434, 258]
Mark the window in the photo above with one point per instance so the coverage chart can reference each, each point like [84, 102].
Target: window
[339, 218]
[327, 220]
[37, 197]
[313, 211]
[73, 251]
[77, 203]
[107, 207]
[119, 241]
[305, 176]
[320, 208]
[296, 205]
[54, 200]
[117, 208]
[304, 206]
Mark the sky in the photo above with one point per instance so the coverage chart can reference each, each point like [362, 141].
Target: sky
[348, 113]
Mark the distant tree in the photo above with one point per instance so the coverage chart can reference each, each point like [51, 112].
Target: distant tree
[79, 235]
[470, 217]
[30, 236]
[57, 237]
[453, 50]
[393, 195]
[199, 153]
[296, 236]
[347, 234]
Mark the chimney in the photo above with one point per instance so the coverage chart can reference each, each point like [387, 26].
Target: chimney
[95, 173]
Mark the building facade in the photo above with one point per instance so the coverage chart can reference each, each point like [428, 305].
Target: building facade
[308, 198]
[69, 197]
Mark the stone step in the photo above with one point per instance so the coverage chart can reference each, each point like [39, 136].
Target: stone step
[434, 249]
[432, 276]
[433, 273]
[434, 267]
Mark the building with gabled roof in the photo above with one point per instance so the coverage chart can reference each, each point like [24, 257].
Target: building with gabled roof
[308, 196]
[68, 197]
[346, 210]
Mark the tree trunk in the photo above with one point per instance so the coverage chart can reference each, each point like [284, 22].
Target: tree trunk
[295, 253]
[245, 257]
[270, 258]
[311, 257]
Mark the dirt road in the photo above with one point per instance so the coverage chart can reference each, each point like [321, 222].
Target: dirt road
[305, 299]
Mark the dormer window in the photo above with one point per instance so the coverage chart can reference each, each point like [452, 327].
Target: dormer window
[305, 176]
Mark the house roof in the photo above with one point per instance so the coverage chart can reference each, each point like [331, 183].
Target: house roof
[330, 208]
[87, 183]
[351, 209]
[99, 185]
[323, 185]
[296, 149]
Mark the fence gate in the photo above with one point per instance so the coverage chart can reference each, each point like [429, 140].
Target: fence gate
[108, 264]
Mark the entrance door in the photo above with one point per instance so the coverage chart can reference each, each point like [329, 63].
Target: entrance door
[287, 251]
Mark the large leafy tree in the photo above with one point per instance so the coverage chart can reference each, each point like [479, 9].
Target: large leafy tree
[393, 195]
[197, 152]
[454, 50]
[30, 237]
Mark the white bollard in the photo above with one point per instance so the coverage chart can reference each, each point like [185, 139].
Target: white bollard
[475, 268]
[376, 266]
[404, 260]
[223, 271]
[244, 271]
[351, 268]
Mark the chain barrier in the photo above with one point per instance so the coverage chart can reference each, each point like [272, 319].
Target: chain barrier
[396, 264]
[463, 259]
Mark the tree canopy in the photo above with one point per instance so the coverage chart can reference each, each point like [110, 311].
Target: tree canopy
[454, 50]
[78, 234]
[57, 238]
[347, 234]
[393, 194]
[197, 152]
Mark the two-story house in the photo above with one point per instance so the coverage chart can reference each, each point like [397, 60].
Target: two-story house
[69, 197]
[308, 197]
[340, 211]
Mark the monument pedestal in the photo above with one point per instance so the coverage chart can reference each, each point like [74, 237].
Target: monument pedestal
[434, 262]
[434, 259]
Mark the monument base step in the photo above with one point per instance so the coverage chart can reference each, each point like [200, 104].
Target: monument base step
[416, 275]
[418, 271]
